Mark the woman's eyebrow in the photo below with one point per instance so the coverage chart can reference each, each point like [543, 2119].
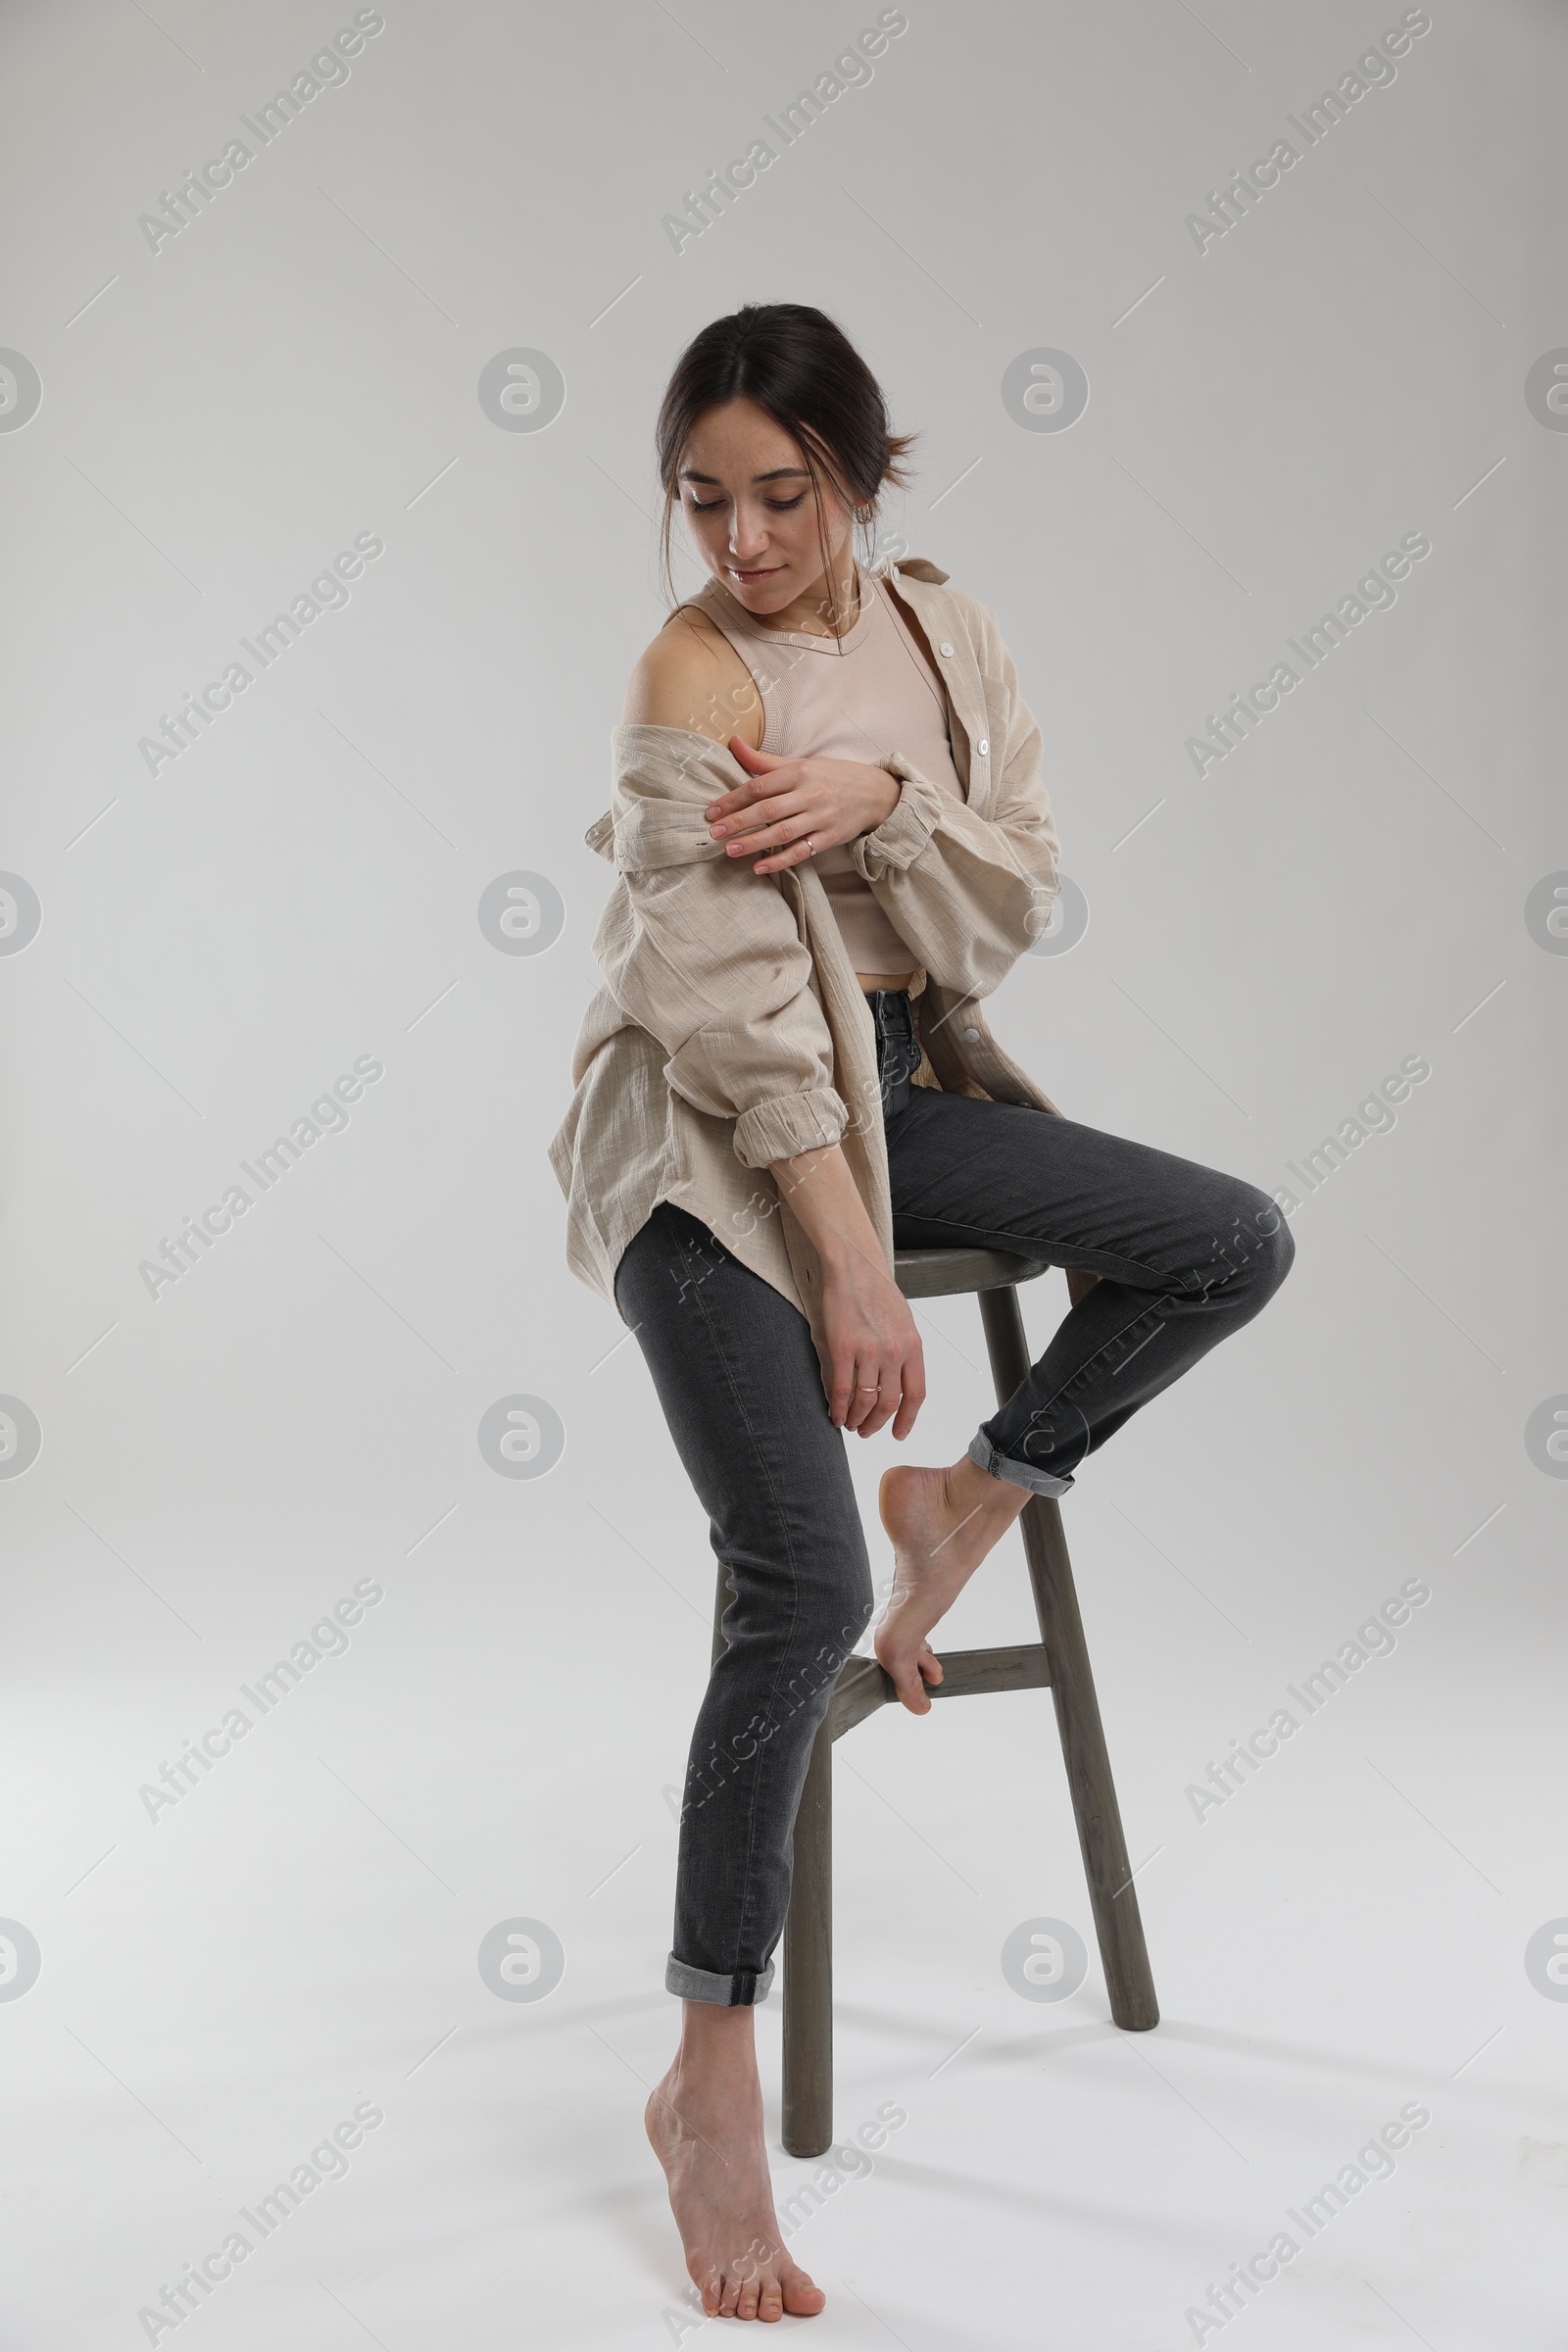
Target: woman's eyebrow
[780, 474]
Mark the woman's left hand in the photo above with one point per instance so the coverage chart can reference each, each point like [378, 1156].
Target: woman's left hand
[787, 803]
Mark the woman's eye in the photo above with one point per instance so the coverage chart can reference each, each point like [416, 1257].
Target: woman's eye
[779, 505]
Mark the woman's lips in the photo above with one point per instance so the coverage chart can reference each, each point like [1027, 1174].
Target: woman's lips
[749, 576]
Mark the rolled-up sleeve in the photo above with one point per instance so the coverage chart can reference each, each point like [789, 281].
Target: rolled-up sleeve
[711, 963]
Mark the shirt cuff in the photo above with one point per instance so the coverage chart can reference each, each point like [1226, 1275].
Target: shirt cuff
[900, 839]
[789, 1123]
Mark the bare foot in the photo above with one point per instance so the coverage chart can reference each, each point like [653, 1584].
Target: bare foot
[943, 1523]
[704, 2121]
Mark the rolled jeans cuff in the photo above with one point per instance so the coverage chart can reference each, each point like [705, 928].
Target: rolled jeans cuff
[1017, 1474]
[741, 1988]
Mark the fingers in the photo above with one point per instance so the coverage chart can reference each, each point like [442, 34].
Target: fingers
[872, 1379]
[794, 852]
[746, 827]
[745, 796]
[913, 1396]
[869, 1388]
[785, 832]
[762, 778]
[878, 1389]
[900, 1393]
[769, 799]
[841, 1391]
[743, 811]
[744, 831]
[871, 1409]
[746, 754]
[864, 1397]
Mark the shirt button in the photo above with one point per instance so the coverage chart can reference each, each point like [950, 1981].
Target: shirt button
[972, 1037]
[944, 648]
[982, 747]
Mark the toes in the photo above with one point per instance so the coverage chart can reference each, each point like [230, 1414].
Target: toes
[924, 1669]
[912, 1692]
[802, 2295]
[746, 2282]
[770, 2305]
[905, 1674]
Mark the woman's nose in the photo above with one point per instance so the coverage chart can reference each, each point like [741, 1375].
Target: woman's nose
[748, 533]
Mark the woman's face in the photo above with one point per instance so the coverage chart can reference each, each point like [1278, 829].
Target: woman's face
[751, 510]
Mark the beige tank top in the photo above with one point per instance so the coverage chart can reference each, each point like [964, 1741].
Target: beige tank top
[861, 697]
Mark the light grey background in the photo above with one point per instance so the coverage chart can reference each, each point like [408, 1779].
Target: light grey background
[221, 1985]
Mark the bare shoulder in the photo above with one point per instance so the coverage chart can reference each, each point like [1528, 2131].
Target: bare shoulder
[691, 676]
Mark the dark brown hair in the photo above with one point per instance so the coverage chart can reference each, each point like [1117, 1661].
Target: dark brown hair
[803, 370]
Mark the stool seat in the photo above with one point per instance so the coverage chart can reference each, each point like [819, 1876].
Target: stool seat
[941, 1273]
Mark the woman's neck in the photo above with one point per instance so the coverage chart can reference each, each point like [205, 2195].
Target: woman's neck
[812, 615]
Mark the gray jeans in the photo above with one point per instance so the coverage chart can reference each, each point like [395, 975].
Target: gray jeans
[1185, 1256]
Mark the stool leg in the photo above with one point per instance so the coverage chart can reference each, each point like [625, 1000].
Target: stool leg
[1119, 1923]
[809, 1964]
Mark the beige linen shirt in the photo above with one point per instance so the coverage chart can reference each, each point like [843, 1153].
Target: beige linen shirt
[731, 1032]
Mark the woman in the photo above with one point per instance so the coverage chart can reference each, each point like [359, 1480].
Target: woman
[831, 841]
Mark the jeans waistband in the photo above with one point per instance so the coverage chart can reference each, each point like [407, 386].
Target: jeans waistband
[898, 1045]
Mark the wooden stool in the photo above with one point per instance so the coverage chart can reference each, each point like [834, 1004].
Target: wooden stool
[1060, 1659]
